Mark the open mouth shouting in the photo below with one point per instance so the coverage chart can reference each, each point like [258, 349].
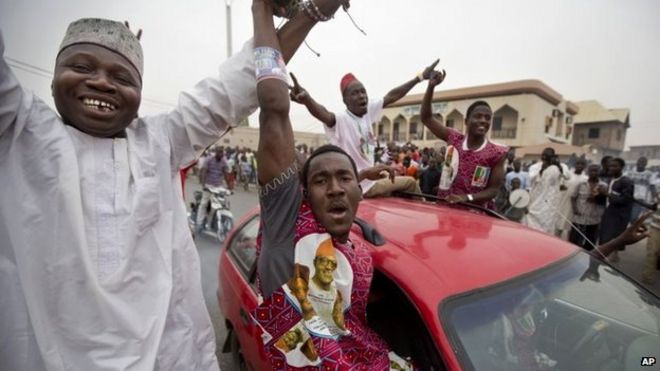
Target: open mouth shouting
[337, 210]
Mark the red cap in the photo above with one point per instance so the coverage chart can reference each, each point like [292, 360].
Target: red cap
[345, 81]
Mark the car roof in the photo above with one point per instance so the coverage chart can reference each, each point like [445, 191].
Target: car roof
[434, 251]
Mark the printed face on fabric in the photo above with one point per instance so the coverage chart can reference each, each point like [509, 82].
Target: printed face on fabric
[479, 121]
[356, 98]
[333, 193]
[96, 90]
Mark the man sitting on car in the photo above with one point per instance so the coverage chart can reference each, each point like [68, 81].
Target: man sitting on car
[306, 221]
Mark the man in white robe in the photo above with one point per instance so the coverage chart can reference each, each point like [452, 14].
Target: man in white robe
[98, 270]
[545, 195]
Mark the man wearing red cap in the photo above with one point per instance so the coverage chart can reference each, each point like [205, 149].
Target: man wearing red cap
[352, 131]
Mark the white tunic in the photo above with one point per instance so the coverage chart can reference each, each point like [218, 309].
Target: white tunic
[98, 270]
[544, 198]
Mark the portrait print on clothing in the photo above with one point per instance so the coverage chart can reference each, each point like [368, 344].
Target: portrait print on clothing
[315, 299]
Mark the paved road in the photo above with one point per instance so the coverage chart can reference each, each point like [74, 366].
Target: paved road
[241, 202]
[209, 254]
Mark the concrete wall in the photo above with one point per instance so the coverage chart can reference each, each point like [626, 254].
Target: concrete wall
[610, 141]
[249, 137]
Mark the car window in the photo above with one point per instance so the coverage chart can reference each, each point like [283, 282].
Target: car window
[243, 248]
[576, 315]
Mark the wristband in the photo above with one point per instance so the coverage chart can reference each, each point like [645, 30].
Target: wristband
[420, 77]
[269, 64]
[470, 197]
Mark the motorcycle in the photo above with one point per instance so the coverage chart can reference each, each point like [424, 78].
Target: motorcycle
[219, 219]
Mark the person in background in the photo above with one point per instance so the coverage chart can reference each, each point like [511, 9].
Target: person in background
[545, 179]
[588, 207]
[245, 171]
[575, 177]
[517, 172]
[410, 166]
[652, 260]
[619, 192]
[430, 178]
[605, 169]
[510, 158]
[352, 129]
[645, 190]
[215, 173]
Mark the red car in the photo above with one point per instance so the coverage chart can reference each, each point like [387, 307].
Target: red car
[456, 289]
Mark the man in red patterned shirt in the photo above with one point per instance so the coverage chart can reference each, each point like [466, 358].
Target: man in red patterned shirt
[473, 170]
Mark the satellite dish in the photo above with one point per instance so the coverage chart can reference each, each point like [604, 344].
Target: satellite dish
[519, 199]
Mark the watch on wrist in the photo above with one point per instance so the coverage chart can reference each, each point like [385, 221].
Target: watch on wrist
[470, 197]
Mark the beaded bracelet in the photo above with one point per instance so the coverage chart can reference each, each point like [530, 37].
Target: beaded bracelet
[314, 12]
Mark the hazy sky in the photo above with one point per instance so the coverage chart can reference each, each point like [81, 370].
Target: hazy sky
[607, 50]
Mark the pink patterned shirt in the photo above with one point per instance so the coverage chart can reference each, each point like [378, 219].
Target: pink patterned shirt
[474, 166]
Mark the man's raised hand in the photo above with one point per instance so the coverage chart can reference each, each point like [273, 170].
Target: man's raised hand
[437, 77]
[298, 94]
[637, 231]
[378, 172]
[428, 71]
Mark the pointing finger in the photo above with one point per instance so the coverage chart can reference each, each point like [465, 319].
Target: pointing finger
[295, 80]
[432, 66]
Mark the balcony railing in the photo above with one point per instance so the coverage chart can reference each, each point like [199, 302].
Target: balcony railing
[505, 133]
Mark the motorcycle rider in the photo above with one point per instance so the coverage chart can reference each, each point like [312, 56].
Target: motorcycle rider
[215, 173]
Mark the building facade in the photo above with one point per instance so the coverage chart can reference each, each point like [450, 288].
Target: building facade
[602, 128]
[248, 137]
[526, 112]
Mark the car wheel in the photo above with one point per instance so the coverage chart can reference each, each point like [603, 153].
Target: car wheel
[236, 352]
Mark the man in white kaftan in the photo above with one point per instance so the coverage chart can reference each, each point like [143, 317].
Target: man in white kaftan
[545, 195]
[98, 269]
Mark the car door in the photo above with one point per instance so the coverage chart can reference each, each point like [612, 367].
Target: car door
[237, 275]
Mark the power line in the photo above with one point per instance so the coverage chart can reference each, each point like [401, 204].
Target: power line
[26, 69]
[14, 60]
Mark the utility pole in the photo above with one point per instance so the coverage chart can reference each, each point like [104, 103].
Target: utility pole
[229, 42]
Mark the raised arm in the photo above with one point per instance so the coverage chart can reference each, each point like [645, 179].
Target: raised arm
[301, 96]
[401, 90]
[436, 127]
[276, 145]
[215, 104]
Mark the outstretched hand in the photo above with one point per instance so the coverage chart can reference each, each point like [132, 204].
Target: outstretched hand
[298, 94]
[637, 231]
[428, 71]
[377, 172]
[454, 199]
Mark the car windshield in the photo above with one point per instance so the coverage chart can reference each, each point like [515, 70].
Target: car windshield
[576, 315]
